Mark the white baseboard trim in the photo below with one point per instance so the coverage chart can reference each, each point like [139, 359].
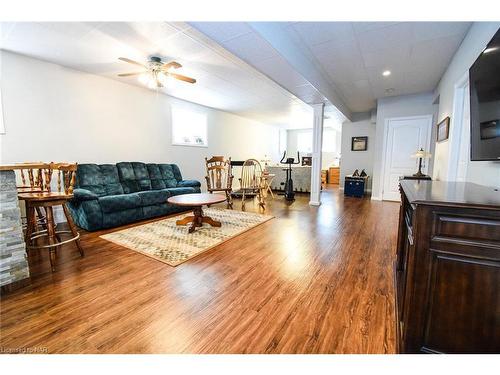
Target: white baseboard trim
[313, 203]
[375, 198]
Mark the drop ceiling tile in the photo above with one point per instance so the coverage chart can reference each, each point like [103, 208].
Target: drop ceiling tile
[313, 33]
[250, 47]
[361, 27]
[433, 30]
[387, 58]
[222, 31]
[437, 52]
[389, 37]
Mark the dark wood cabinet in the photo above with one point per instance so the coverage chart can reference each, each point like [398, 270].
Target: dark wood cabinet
[447, 269]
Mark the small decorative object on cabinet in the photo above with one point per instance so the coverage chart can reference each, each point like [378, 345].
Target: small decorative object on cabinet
[421, 154]
[447, 269]
[334, 175]
[355, 186]
[307, 160]
[443, 130]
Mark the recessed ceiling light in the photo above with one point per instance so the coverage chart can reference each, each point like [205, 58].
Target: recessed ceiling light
[491, 49]
[386, 73]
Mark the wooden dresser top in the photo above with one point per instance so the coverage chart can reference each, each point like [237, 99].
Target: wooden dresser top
[443, 193]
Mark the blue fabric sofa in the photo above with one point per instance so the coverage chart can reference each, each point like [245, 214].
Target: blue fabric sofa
[108, 195]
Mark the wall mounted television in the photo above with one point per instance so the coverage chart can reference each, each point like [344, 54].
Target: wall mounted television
[484, 89]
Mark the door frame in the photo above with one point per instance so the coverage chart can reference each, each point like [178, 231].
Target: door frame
[456, 126]
[384, 143]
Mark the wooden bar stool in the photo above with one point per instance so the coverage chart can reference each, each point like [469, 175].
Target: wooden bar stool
[48, 199]
[34, 184]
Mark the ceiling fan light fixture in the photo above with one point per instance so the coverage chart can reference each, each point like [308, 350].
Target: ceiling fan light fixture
[162, 78]
[152, 84]
[144, 78]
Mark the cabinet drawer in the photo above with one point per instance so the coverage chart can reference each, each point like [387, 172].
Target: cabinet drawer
[472, 228]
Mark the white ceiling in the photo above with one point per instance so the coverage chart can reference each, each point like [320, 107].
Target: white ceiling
[238, 70]
[223, 80]
[352, 54]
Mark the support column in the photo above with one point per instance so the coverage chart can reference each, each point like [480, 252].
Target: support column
[315, 199]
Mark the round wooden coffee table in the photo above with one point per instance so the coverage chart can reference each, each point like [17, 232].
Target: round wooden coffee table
[196, 201]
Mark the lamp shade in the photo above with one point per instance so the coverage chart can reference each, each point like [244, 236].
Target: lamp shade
[422, 154]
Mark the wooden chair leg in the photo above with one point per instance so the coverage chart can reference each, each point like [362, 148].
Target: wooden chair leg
[41, 217]
[51, 233]
[243, 201]
[72, 228]
[30, 224]
[261, 200]
[229, 199]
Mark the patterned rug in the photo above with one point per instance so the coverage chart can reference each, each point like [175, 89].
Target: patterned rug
[172, 244]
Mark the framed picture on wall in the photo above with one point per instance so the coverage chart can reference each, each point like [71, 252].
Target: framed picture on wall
[307, 160]
[359, 143]
[443, 130]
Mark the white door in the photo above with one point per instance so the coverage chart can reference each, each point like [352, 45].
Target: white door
[404, 136]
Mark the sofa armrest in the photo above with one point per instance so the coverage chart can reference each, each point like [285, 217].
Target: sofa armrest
[189, 183]
[84, 195]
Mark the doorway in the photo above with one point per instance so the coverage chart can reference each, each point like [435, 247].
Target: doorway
[404, 136]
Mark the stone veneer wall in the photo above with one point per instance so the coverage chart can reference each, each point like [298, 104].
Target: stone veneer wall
[13, 263]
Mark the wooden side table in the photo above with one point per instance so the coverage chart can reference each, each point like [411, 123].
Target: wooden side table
[196, 201]
[267, 179]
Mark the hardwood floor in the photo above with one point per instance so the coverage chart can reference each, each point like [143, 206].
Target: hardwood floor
[312, 280]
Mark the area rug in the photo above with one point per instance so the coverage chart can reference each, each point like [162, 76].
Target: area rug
[165, 241]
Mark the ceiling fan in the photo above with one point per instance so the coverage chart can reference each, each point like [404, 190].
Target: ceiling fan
[156, 73]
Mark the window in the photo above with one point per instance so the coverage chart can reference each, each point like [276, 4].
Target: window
[189, 128]
[304, 142]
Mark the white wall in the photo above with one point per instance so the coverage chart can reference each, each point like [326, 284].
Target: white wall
[54, 113]
[481, 172]
[398, 106]
[352, 160]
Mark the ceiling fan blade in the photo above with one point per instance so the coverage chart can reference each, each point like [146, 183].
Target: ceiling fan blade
[131, 74]
[171, 64]
[131, 62]
[182, 78]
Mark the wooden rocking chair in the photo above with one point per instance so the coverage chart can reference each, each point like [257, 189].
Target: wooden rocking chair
[251, 182]
[220, 177]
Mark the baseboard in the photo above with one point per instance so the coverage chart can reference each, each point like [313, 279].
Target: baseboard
[314, 203]
[375, 198]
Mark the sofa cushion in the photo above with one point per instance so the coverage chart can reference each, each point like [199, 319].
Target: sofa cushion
[151, 197]
[168, 175]
[80, 194]
[180, 190]
[127, 177]
[111, 180]
[189, 183]
[155, 176]
[141, 176]
[89, 177]
[114, 203]
[177, 172]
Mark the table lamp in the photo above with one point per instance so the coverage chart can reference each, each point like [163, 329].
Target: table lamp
[421, 154]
